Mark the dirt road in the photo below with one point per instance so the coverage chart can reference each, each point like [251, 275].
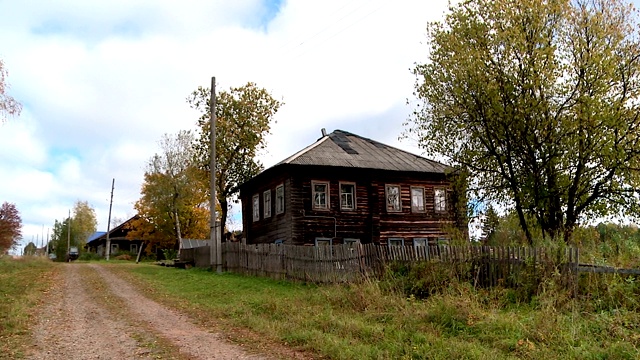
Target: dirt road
[93, 314]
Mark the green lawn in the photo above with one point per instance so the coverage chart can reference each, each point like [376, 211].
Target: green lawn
[369, 321]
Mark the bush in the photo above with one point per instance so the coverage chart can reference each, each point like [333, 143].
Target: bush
[89, 256]
[425, 278]
[126, 257]
[170, 254]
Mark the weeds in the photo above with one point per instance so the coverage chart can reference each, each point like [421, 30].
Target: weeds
[388, 320]
[23, 283]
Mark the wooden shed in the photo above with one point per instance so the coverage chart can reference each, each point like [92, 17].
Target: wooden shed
[346, 189]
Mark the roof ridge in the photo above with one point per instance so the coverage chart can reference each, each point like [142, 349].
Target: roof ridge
[303, 151]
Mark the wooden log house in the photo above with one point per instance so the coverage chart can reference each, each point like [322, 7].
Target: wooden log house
[346, 189]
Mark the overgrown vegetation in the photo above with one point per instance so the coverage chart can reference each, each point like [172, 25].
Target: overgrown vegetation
[419, 313]
[22, 285]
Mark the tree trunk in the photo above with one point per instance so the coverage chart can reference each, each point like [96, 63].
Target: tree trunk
[224, 207]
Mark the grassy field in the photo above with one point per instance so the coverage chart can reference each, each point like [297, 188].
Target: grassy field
[23, 284]
[374, 320]
[598, 318]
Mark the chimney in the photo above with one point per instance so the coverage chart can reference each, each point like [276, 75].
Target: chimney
[324, 132]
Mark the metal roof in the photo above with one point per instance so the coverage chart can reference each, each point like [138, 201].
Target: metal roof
[343, 149]
[193, 243]
[96, 235]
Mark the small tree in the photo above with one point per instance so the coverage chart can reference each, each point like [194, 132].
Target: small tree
[84, 222]
[10, 227]
[30, 249]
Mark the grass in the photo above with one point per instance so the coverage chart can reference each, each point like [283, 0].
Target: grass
[372, 321]
[23, 284]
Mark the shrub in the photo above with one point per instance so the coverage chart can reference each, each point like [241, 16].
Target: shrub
[89, 256]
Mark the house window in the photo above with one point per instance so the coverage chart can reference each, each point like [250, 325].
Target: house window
[320, 195]
[133, 248]
[394, 203]
[266, 196]
[396, 242]
[324, 241]
[256, 207]
[417, 199]
[420, 242]
[114, 249]
[280, 199]
[351, 242]
[347, 196]
[440, 200]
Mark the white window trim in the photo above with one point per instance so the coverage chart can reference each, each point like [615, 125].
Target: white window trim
[415, 209]
[313, 195]
[386, 198]
[256, 211]
[266, 207]
[279, 205]
[133, 248]
[351, 241]
[353, 195]
[322, 239]
[443, 201]
[395, 239]
[417, 241]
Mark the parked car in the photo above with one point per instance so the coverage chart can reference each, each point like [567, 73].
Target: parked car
[73, 253]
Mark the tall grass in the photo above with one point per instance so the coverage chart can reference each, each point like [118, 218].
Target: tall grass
[381, 320]
[23, 284]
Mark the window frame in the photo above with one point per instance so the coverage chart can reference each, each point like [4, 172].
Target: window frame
[416, 209]
[314, 206]
[266, 207]
[389, 240]
[351, 241]
[133, 248]
[417, 240]
[280, 199]
[386, 198]
[352, 193]
[439, 206]
[255, 204]
[323, 239]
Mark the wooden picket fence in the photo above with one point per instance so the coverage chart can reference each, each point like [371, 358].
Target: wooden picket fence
[484, 265]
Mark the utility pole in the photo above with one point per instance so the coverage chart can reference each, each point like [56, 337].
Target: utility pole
[216, 246]
[68, 233]
[47, 254]
[108, 249]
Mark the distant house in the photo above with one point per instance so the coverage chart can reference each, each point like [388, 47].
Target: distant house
[345, 188]
[117, 238]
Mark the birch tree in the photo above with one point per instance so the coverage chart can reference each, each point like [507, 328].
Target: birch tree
[173, 202]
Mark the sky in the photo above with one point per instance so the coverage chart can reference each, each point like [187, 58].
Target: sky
[101, 81]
